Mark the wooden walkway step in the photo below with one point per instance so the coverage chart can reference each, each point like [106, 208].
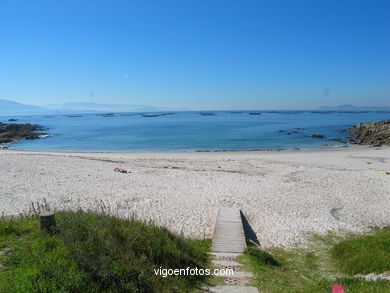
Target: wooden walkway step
[229, 233]
[228, 243]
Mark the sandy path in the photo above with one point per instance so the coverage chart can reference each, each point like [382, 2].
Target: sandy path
[284, 195]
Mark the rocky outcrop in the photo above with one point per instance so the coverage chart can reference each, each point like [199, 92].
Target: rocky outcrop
[11, 132]
[316, 135]
[372, 133]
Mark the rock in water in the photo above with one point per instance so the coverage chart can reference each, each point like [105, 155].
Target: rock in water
[10, 132]
[316, 135]
[372, 133]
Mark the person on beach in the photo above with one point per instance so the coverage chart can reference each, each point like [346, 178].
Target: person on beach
[121, 170]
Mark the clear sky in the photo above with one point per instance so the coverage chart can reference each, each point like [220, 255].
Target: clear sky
[196, 54]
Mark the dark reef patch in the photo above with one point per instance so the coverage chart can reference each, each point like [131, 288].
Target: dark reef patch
[11, 132]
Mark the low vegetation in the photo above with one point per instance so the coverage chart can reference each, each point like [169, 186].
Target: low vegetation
[261, 257]
[330, 260]
[364, 255]
[95, 253]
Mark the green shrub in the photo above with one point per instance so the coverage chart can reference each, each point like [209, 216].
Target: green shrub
[96, 253]
[37, 262]
[364, 254]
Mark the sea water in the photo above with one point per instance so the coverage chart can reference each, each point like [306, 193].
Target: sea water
[189, 131]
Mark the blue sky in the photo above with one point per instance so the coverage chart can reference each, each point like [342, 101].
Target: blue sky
[196, 54]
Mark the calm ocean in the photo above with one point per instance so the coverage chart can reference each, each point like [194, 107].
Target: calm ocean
[184, 131]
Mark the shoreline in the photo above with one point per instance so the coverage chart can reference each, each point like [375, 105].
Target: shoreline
[10, 147]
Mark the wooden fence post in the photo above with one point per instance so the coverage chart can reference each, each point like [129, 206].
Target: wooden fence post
[48, 222]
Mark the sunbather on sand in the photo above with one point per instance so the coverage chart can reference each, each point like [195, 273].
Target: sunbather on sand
[121, 170]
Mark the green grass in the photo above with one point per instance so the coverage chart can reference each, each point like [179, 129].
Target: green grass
[261, 257]
[99, 253]
[363, 255]
[95, 253]
[330, 260]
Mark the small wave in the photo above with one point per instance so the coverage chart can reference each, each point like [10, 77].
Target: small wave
[44, 135]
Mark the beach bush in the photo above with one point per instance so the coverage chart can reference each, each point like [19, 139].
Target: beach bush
[95, 253]
[327, 261]
[364, 254]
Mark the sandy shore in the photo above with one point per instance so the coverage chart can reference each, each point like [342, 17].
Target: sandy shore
[284, 195]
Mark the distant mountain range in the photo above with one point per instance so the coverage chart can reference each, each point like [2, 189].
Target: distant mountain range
[13, 108]
[105, 107]
[353, 108]
[8, 107]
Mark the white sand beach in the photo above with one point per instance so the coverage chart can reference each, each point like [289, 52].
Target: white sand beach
[285, 195]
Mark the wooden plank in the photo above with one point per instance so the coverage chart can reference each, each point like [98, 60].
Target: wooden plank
[229, 233]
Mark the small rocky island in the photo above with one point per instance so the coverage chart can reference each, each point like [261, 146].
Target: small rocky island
[11, 132]
[372, 133]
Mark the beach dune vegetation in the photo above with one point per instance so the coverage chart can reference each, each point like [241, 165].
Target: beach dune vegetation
[94, 252]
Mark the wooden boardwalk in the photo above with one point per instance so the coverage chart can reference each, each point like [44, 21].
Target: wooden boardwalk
[228, 243]
[229, 233]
